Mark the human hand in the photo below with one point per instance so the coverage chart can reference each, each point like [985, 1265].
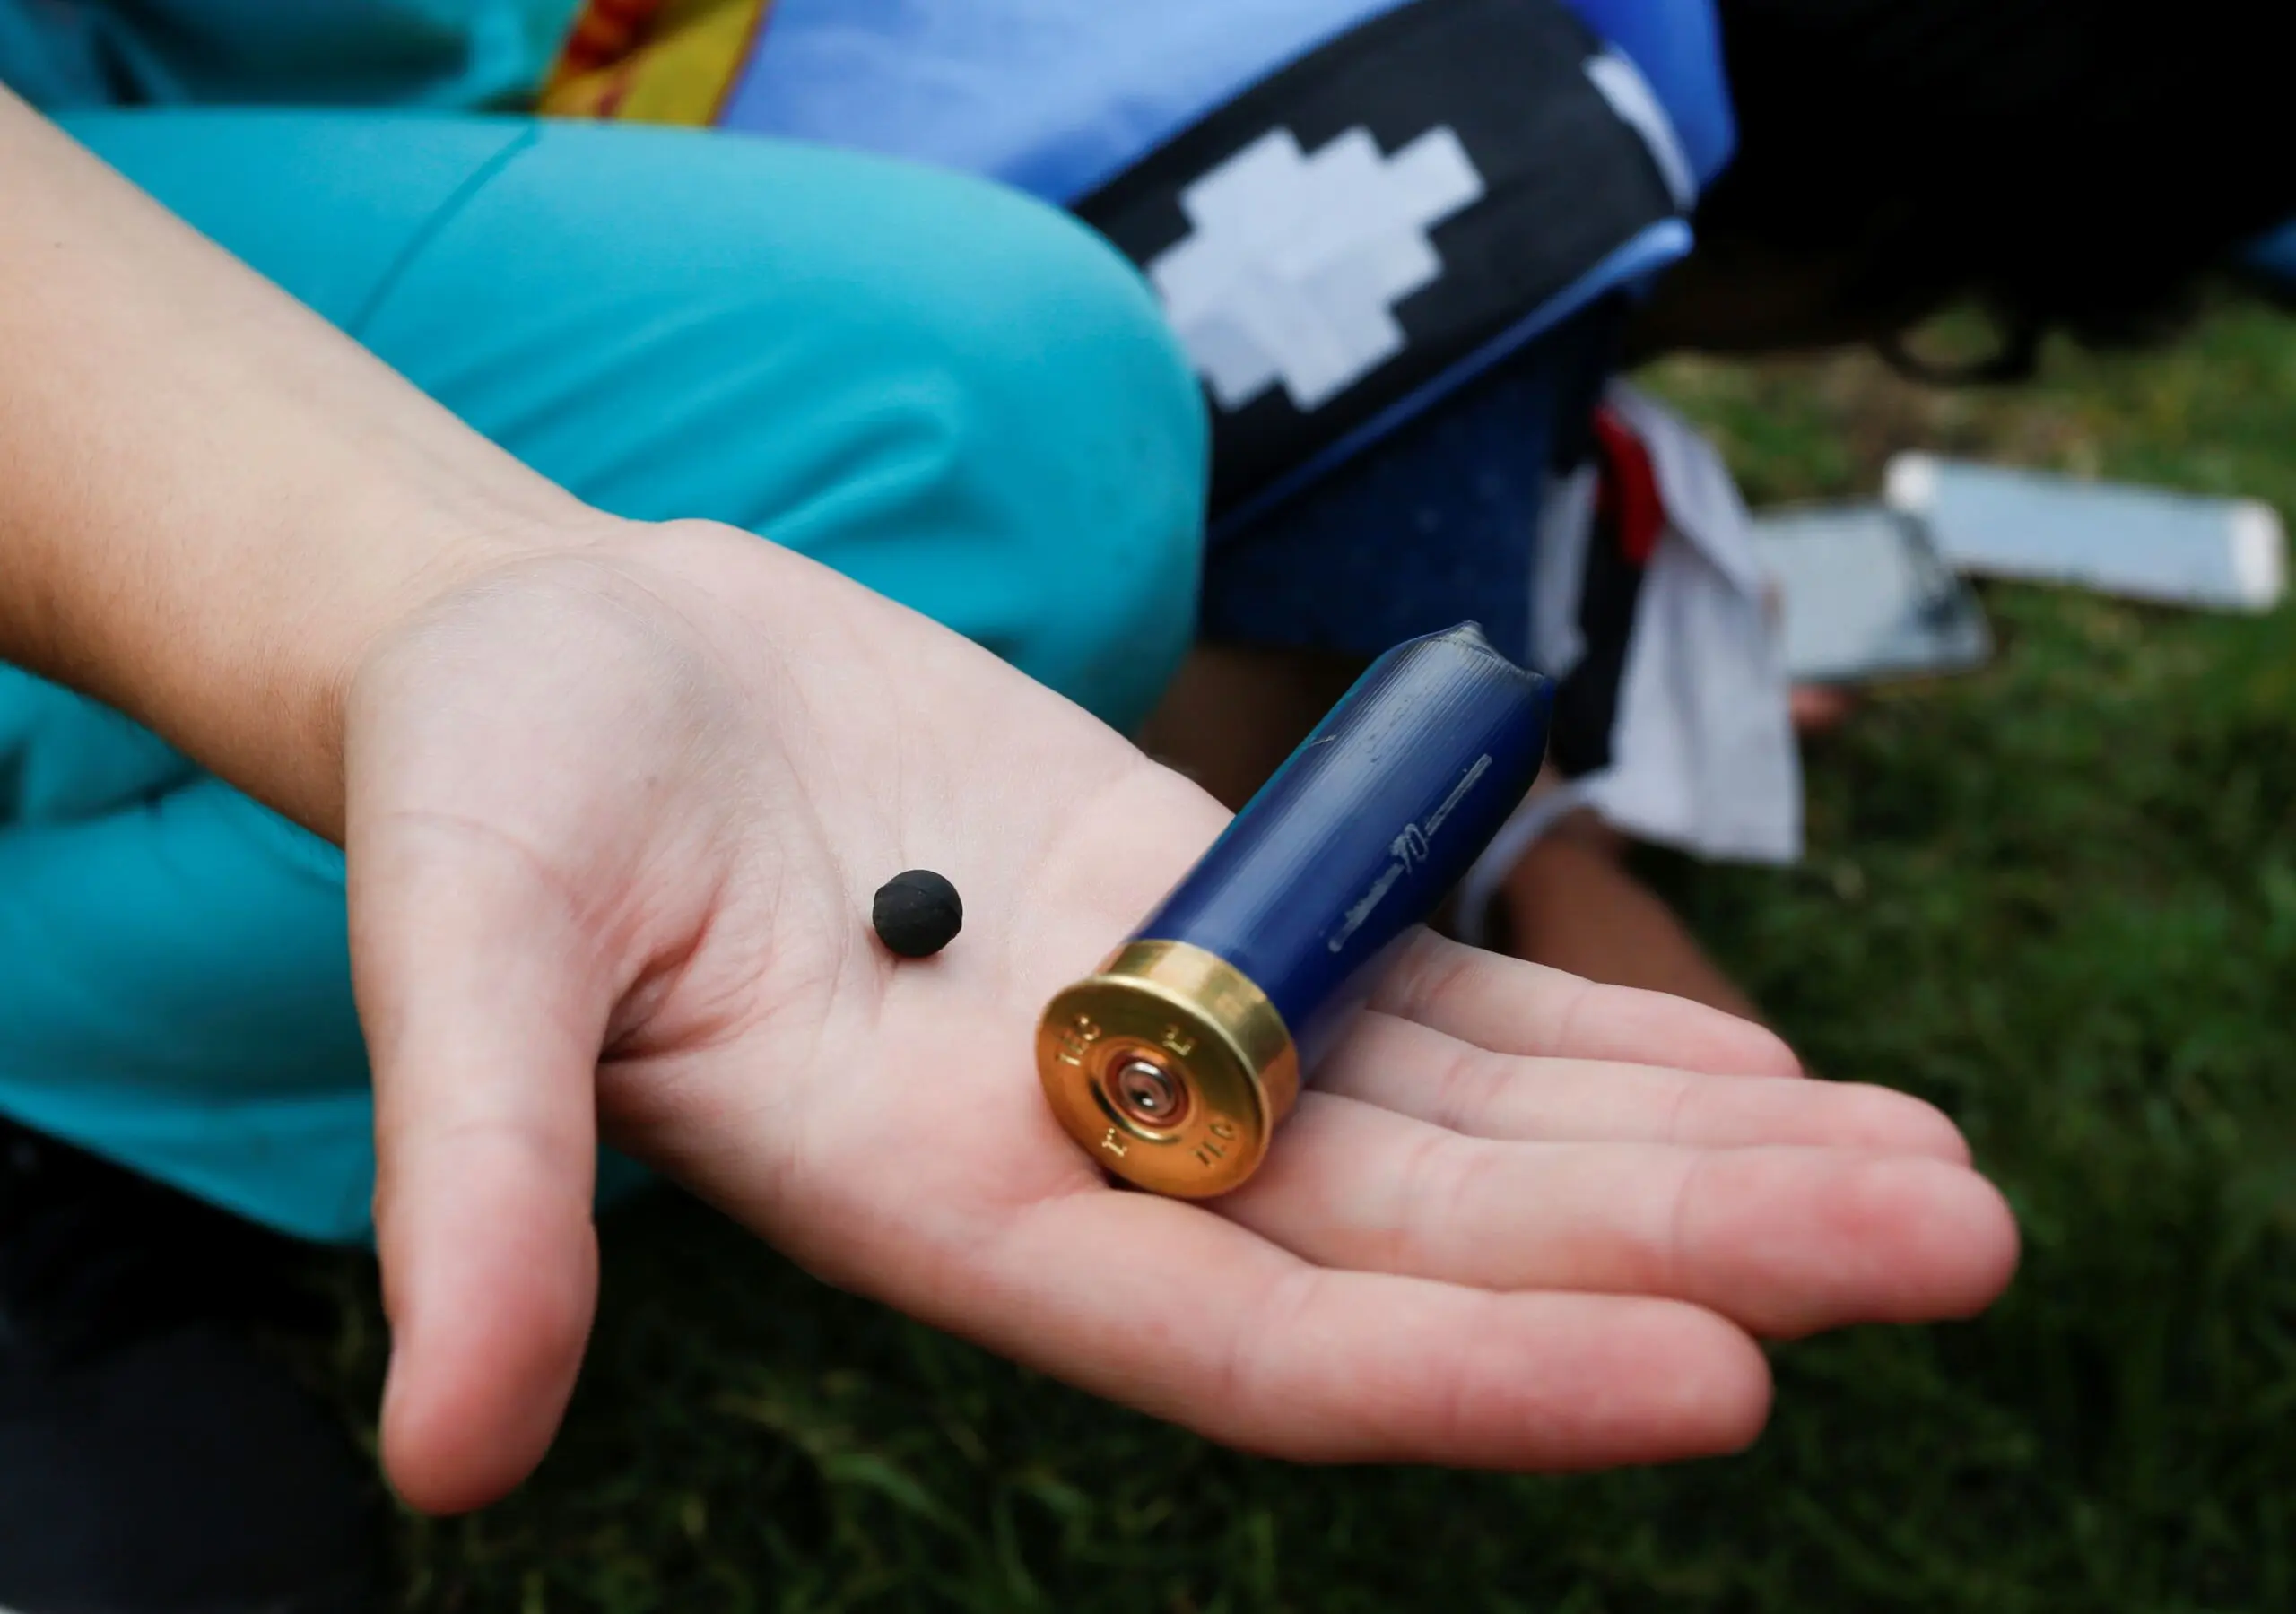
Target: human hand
[613, 820]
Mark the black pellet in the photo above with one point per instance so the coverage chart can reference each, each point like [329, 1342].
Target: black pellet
[917, 914]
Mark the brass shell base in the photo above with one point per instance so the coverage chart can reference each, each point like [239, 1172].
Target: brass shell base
[1199, 1020]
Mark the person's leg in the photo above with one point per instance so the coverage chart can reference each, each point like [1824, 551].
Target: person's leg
[955, 396]
[949, 393]
[1235, 712]
[1572, 904]
[153, 1458]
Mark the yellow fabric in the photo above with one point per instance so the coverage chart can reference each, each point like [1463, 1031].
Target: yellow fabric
[653, 61]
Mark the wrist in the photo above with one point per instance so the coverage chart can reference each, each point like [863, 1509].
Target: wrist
[398, 559]
[242, 655]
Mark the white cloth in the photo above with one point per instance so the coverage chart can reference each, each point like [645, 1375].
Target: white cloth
[1702, 751]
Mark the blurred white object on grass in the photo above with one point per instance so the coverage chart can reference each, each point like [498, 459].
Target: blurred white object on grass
[2144, 543]
[1863, 596]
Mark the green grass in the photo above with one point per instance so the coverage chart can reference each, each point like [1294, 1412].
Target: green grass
[2058, 897]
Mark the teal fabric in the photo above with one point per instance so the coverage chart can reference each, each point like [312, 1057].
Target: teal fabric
[443, 55]
[951, 393]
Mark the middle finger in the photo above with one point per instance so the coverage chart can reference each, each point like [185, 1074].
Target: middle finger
[1403, 1065]
[1783, 1241]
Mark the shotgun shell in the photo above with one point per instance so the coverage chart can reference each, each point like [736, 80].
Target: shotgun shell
[1175, 1063]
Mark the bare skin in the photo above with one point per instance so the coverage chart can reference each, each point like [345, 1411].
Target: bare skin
[1572, 904]
[1235, 712]
[1526, 1222]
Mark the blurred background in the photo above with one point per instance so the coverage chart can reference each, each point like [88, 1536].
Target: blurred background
[2056, 897]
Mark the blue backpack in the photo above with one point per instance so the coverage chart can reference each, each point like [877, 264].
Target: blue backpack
[1397, 239]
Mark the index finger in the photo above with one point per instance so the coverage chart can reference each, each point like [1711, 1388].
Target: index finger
[1512, 1007]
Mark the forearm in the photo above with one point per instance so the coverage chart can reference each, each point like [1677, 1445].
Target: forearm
[210, 500]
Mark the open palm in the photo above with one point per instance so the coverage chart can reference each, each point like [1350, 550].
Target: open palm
[613, 825]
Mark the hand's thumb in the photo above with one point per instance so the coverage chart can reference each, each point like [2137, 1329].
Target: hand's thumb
[484, 1010]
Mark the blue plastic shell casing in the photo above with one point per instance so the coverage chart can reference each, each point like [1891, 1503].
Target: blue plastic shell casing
[1177, 1060]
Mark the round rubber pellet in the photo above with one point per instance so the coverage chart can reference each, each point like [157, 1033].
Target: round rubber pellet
[917, 914]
